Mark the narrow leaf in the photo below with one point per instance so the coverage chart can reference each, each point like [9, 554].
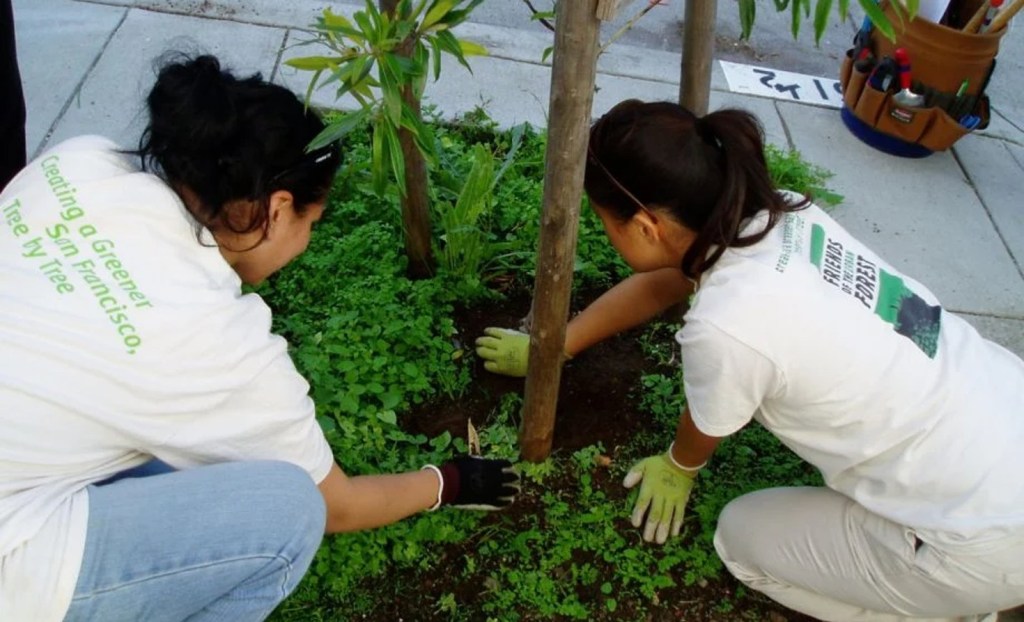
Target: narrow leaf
[821, 14]
[472, 49]
[436, 12]
[748, 13]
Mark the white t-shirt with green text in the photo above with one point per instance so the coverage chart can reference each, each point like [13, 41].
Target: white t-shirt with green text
[121, 338]
[856, 367]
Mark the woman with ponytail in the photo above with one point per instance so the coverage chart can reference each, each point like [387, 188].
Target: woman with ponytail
[160, 458]
[914, 420]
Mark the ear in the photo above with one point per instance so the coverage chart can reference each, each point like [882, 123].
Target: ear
[281, 205]
[648, 225]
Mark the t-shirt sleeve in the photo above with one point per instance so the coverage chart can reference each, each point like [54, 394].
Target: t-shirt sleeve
[725, 380]
[271, 417]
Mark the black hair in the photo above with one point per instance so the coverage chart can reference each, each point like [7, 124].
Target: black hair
[216, 138]
[709, 173]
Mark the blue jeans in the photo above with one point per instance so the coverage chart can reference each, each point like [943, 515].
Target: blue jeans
[224, 542]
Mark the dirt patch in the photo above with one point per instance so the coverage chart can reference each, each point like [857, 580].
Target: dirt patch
[597, 404]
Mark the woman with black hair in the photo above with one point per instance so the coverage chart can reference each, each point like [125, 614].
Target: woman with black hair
[915, 421]
[159, 455]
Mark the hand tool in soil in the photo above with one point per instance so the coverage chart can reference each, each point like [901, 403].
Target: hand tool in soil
[1005, 15]
[906, 97]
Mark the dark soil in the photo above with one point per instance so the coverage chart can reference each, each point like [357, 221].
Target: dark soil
[595, 401]
[597, 404]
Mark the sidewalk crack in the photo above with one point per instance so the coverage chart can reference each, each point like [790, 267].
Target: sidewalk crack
[76, 93]
[988, 211]
[785, 126]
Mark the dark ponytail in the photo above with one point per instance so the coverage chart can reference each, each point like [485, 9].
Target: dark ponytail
[216, 139]
[710, 173]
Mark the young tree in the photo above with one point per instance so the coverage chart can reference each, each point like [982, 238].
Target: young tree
[382, 58]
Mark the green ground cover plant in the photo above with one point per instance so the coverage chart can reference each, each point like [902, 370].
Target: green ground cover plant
[376, 346]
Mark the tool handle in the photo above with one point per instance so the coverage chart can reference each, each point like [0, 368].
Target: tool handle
[1005, 15]
[977, 18]
[993, 10]
[903, 61]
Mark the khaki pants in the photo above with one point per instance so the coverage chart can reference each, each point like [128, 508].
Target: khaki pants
[820, 553]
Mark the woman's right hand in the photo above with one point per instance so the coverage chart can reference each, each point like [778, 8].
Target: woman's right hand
[504, 351]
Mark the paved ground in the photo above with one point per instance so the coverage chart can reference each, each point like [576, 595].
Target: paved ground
[955, 220]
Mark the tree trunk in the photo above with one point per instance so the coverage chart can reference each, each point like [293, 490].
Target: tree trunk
[698, 53]
[572, 95]
[416, 202]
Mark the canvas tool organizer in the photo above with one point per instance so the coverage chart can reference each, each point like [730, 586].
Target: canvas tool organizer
[949, 67]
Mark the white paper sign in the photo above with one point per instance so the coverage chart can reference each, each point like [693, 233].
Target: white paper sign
[795, 87]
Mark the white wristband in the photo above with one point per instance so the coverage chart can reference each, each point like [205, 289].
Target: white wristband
[440, 486]
[681, 467]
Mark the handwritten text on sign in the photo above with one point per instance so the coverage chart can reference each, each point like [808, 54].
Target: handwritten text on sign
[787, 85]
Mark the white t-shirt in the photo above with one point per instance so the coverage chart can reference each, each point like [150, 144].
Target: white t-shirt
[903, 406]
[121, 338]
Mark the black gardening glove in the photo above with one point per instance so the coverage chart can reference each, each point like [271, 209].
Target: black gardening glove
[474, 483]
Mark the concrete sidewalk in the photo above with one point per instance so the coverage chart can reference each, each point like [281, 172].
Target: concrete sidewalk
[954, 220]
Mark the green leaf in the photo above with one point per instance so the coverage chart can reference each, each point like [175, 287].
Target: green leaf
[393, 148]
[339, 128]
[436, 49]
[392, 104]
[390, 400]
[421, 134]
[378, 172]
[550, 49]
[388, 416]
[878, 18]
[472, 49]
[442, 441]
[821, 13]
[438, 10]
[314, 63]
[748, 13]
[450, 44]
[795, 21]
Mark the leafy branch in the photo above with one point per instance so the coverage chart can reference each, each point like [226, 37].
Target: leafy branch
[801, 10]
[375, 56]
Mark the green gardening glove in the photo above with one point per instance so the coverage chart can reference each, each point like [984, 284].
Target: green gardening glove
[504, 351]
[663, 496]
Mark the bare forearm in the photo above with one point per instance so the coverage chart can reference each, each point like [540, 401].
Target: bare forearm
[631, 303]
[692, 448]
[368, 501]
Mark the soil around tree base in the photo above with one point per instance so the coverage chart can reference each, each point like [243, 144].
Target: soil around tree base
[597, 404]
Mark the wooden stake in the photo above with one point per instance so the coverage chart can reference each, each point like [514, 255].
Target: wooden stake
[573, 74]
[607, 10]
[977, 18]
[698, 53]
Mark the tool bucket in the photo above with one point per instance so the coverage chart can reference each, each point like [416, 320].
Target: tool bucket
[943, 59]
